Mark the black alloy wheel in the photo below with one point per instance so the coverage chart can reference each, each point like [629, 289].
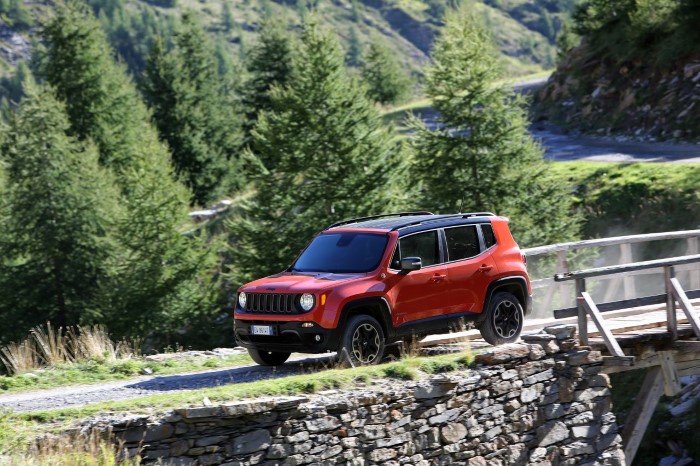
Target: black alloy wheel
[363, 341]
[504, 320]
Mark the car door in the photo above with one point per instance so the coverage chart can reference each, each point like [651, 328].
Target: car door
[469, 269]
[419, 294]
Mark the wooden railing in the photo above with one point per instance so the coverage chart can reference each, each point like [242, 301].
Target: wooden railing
[547, 287]
[586, 307]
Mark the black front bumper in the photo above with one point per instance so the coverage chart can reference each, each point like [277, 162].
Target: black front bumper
[288, 337]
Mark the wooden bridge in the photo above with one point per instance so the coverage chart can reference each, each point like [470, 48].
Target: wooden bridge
[653, 325]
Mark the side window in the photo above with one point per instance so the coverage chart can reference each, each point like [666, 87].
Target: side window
[423, 245]
[462, 242]
[489, 237]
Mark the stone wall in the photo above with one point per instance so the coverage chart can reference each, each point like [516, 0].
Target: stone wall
[543, 401]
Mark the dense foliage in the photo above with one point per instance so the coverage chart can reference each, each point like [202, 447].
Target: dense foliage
[145, 276]
[197, 116]
[325, 154]
[386, 82]
[481, 157]
[630, 29]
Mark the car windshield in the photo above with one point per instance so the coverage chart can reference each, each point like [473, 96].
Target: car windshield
[342, 253]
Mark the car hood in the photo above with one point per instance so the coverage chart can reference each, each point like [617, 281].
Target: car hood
[299, 282]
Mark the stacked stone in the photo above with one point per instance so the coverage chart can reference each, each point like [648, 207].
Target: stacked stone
[543, 401]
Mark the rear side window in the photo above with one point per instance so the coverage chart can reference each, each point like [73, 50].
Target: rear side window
[423, 245]
[462, 243]
[489, 238]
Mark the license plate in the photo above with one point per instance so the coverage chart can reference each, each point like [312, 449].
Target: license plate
[261, 330]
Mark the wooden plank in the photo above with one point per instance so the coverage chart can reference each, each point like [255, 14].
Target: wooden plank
[627, 280]
[693, 248]
[615, 305]
[639, 416]
[610, 341]
[593, 243]
[582, 317]
[613, 269]
[683, 300]
[671, 324]
[687, 345]
[672, 384]
[622, 361]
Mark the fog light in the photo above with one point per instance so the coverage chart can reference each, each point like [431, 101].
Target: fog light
[307, 325]
[318, 338]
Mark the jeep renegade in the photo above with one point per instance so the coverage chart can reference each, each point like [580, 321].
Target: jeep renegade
[363, 283]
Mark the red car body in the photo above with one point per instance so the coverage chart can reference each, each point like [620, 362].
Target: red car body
[419, 302]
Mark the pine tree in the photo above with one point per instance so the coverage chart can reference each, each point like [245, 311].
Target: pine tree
[227, 19]
[269, 64]
[153, 261]
[482, 154]
[199, 122]
[57, 208]
[327, 155]
[354, 48]
[386, 81]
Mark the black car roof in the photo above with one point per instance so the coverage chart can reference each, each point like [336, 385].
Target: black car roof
[408, 222]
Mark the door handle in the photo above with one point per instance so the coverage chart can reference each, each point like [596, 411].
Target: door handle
[437, 278]
[485, 268]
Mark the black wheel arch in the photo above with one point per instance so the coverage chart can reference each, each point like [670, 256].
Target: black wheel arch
[515, 285]
[376, 307]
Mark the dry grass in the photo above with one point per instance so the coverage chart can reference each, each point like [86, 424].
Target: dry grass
[78, 450]
[20, 357]
[48, 346]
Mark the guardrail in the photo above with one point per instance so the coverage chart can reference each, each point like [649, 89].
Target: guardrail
[586, 307]
[565, 290]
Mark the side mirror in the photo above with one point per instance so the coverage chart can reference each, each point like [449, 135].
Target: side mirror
[411, 263]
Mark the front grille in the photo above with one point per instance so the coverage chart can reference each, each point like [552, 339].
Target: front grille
[272, 303]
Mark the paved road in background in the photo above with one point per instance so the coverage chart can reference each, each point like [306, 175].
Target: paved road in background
[564, 146]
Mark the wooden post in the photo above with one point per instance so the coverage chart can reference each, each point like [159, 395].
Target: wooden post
[640, 414]
[688, 309]
[609, 339]
[671, 325]
[672, 384]
[694, 275]
[563, 267]
[582, 315]
[626, 258]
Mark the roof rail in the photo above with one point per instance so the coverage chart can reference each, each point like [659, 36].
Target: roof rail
[372, 217]
[444, 217]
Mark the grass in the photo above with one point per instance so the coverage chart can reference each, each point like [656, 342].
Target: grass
[405, 369]
[52, 357]
[92, 371]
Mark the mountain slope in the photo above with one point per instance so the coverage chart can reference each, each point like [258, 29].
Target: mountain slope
[524, 31]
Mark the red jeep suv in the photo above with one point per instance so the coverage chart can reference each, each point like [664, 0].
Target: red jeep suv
[366, 282]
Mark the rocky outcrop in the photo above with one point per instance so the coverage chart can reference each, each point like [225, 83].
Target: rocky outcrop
[636, 98]
[543, 401]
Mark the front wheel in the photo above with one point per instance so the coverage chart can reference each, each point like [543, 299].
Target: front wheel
[504, 321]
[268, 358]
[363, 342]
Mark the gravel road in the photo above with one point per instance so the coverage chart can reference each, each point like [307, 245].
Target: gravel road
[149, 385]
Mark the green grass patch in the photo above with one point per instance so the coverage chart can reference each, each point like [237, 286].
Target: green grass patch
[87, 372]
[618, 199]
[405, 369]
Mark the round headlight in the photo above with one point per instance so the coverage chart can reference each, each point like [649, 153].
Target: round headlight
[307, 301]
[242, 299]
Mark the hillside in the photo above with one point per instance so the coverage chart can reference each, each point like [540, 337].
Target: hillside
[635, 72]
[525, 31]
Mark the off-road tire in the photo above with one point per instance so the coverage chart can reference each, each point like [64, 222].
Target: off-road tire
[504, 320]
[362, 343]
[268, 358]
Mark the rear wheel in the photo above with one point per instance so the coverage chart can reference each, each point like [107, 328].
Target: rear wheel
[504, 321]
[268, 358]
[363, 342]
